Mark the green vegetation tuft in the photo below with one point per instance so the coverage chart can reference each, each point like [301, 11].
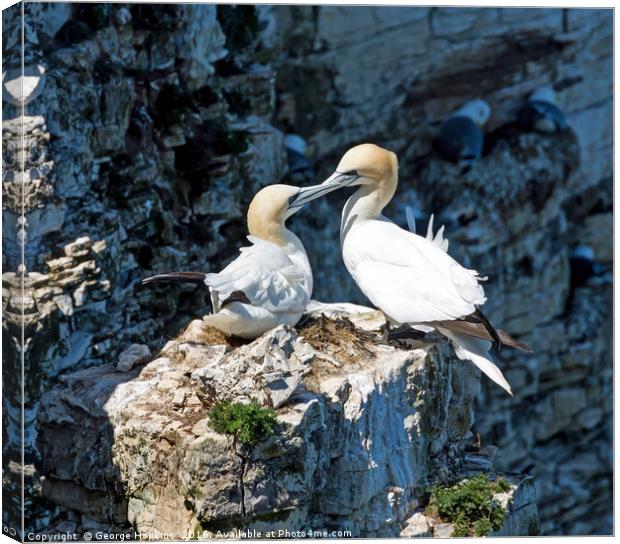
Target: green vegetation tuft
[469, 505]
[248, 423]
[196, 492]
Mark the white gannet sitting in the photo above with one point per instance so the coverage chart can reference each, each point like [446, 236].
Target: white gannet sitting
[270, 282]
[541, 112]
[23, 87]
[300, 167]
[411, 279]
[461, 139]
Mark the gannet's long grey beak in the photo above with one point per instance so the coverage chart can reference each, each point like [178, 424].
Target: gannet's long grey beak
[342, 179]
[305, 195]
[337, 180]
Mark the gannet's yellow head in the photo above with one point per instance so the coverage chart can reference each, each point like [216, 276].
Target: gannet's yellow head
[274, 204]
[369, 165]
[269, 206]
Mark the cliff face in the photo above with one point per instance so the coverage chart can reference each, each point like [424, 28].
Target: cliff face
[516, 216]
[141, 153]
[363, 428]
[156, 124]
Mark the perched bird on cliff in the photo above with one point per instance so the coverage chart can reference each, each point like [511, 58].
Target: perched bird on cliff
[541, 112]
[411, 279]
[582, 265]
[18, 87]
[461, 139]
[270, 282]
[300, 166]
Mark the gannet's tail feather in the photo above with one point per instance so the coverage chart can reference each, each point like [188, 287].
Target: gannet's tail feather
[508, 340]
[476, 350]
[177, 277]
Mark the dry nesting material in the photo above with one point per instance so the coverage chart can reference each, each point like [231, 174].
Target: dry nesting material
[200, 333]
[338, 337]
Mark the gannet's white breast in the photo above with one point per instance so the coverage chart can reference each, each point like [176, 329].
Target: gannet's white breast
[267, 276]
[412, 279]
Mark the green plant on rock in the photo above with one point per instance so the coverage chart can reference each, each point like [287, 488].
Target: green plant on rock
[469, 505]
[248, 423]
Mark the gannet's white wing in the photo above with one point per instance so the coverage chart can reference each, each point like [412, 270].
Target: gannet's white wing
[438, 239]
[265, 274]
[476, 350]
[410, 278]
[466, 347]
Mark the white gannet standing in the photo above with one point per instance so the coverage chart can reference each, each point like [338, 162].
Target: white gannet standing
[411, 279]
[461, 139]
[541, 112]
[270, 282]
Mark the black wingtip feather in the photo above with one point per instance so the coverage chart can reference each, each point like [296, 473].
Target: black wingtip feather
[492, 330]
[509, 341]
[470, 326]
[176, 277]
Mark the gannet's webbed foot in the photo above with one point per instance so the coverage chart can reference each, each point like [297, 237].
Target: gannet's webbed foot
[406, 332]
[385, 332]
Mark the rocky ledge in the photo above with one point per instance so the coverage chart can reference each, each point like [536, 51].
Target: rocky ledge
[362, 427]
